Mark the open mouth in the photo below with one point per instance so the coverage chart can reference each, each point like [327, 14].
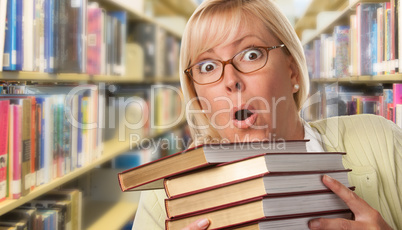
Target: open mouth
[243, 114]
[245, 117]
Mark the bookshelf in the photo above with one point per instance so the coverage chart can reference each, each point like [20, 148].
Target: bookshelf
[345, 83]
[45, 77]
[112, 148]
[344, 8]
[169, 16]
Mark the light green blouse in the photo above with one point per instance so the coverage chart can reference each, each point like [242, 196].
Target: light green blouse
[374, 153]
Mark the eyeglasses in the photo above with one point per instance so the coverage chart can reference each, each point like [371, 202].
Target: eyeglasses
[246, 61]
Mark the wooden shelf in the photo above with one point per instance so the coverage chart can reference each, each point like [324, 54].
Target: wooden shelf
[173, 7]
[112, 148]
[343, 18]
[45, 77]
[308, 20]
[395, 78]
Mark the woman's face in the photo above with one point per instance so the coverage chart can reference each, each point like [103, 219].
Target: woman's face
[255, 106]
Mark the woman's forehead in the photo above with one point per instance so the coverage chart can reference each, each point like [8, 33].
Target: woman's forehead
[223, 30]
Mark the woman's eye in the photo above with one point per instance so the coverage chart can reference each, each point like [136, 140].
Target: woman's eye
[206, 67]
[251, 55]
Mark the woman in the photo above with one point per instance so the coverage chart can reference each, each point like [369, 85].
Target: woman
[244, 78]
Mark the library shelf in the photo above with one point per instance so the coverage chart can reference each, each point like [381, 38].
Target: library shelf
[394, 78]
[71, 77]
[308, 18]
[169, 7]
[108, 214]
[112, 148]
[342, 18]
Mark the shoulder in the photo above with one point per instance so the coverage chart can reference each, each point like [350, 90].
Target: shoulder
[357, 130]
[355, 123]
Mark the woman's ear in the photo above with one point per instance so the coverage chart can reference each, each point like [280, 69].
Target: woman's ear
[294, 75]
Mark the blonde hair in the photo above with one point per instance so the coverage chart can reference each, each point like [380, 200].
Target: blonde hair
[223, 16]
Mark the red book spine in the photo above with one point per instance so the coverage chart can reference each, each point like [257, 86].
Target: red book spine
[4, 119]
[397, 91]
[94, 41]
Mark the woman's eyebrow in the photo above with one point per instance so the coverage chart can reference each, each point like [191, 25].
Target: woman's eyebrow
[238, 41]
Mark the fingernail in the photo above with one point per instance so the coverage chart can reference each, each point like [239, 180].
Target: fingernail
[203, 223]
[314, 224]
[328, 178]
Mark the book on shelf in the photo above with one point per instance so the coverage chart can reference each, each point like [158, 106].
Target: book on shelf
[291, 223]
[151, 175]
[226, 173]
[4, 123]
[261, 208]
[21, 214]
[10, 44]
[119, 25]
[14, 145]
[95, 40]
[397, 97]
[3, 11]
[23, 141]
[62, 207]
[271, 184]
[75, 197]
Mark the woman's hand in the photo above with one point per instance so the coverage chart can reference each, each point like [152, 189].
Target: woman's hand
[200, 224]
[366, 217]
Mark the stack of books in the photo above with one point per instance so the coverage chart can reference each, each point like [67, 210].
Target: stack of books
[244, 185]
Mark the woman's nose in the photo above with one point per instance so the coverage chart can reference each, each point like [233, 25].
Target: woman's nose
[232, 79]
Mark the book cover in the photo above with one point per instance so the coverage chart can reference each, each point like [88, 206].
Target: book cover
[120, 41]
[150, 175]
[94, 40]
[341, 60]
[25, 143]
[20, 36]
[3, 12]
[38, 144]
[28, 36]
[4, 123]
[380, 41]
[397, 97]
[367, 15]
[10, 44]
[69, 37]
[49, 35]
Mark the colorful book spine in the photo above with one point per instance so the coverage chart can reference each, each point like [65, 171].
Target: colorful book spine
[3, 11]
[4, 123]
[341, 40]
[397, 100]
[94, 40]
[20, 36]
[49, 35]
[10, 45]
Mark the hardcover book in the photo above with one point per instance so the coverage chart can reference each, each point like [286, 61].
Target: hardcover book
[10, 44]
[263, 208]
[300, 223]
[4, 123]
[3, 11]
[151, 175]
[25, 143]
[226, 173]
[271, 184]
